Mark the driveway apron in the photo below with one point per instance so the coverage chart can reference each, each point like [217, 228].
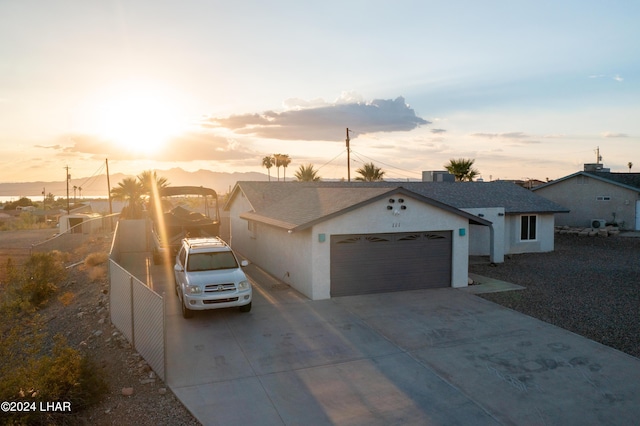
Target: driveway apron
[438, 357]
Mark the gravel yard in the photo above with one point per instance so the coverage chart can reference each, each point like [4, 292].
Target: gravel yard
[588, 285]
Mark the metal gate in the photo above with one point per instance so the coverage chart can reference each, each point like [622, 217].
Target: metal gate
[376, 263]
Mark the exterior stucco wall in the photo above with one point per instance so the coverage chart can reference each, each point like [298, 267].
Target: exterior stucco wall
[375, 218]
[285, 256]
[545, 235]
[580, 198]
[480, 236]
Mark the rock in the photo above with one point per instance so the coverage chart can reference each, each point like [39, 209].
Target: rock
[147, 381]
[127, 391]
[162, 391]
[81, 314]
[97, 333]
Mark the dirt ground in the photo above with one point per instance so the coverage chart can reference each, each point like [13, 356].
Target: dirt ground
[79, 311]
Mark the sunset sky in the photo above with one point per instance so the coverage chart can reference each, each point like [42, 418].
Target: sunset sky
[529, 89]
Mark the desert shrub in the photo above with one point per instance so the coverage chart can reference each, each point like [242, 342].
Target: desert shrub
[97, 273]
[95, 259]
[65, 375]
[40, 275]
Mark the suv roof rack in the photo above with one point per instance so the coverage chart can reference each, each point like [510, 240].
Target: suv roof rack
[205, 241]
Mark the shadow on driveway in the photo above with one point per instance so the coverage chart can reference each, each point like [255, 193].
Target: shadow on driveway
[420, 357]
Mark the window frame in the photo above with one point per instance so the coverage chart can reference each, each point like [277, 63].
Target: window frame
[526, 233]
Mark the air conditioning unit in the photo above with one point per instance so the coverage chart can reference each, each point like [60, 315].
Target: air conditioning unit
[598, 223]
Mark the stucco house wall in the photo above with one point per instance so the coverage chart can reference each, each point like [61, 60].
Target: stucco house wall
[545, 235]
[580, 194]
[301, 259]
[480, 236]
[375, 218]
[282, 254]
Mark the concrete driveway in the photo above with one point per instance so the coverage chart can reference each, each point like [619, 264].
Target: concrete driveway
[437, 357]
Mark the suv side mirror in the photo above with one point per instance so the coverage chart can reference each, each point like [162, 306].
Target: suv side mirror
[244, 263]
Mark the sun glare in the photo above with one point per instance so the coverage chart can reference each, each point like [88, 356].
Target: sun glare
[138, 118]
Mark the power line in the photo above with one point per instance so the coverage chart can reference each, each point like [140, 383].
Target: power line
[93, 177]
[388, 165]
[328, 162]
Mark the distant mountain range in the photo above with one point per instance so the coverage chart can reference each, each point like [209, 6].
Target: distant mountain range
[96, 186]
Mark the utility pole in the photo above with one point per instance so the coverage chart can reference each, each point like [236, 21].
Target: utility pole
[68, 178]
[109, 195]
[348, 158]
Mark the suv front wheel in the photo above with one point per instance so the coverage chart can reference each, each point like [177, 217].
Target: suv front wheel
[245, 308]
[186, 312]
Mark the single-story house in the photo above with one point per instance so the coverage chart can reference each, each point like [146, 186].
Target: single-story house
[339, 238]
[596, 197]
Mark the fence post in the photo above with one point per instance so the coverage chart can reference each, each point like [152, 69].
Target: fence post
[164, 336]
[133, 335]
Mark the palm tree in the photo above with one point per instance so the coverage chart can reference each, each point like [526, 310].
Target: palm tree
[630, 165]
[462, 169]
[131, 191]
[277, 160]
[307, 173]
[285, 160]
[370, 173]
[268, 162]
[148, 179]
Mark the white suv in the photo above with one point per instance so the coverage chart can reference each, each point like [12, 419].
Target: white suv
[208, 276]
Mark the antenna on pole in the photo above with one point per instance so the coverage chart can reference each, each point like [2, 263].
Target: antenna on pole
[598, 156]
[348, 158]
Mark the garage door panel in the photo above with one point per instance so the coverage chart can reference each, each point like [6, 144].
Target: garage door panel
[372, 263]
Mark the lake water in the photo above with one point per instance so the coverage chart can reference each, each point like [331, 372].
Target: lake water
[38, 198]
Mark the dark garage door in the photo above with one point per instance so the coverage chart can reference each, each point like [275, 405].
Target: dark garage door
[375, 263]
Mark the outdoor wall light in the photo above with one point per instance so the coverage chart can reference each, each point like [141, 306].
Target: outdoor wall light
[481, 214]
[500, 214]
[389, 207]
[403, 207]
[391, 200]
[401, 200]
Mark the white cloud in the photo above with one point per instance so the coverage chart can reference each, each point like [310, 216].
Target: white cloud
[320, 122]
[614, 135]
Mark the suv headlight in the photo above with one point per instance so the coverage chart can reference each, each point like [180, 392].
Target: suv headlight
[244, 285]
[194, 289]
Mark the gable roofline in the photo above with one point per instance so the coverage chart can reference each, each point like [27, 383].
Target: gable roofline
[234, 192]
[598, 176]
[293, 227]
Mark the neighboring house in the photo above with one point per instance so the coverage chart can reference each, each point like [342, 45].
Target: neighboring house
[596, 197]
[337, 238]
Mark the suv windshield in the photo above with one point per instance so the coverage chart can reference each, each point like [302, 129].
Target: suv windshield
[211, 261]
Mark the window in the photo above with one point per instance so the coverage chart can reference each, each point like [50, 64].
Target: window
[528, 227]
[253, 228]
[182, 256]
[211, 261]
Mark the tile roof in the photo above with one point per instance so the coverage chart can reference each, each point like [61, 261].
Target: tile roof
[298, 204]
